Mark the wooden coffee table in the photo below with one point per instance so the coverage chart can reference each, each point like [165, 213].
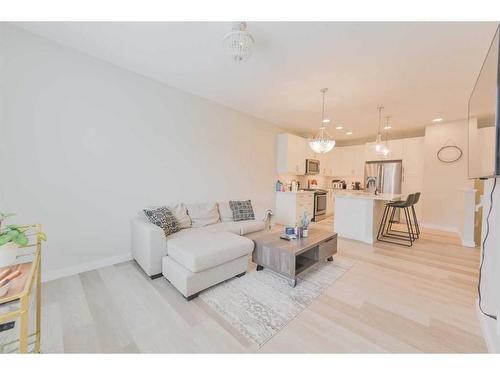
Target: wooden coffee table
[290, 258]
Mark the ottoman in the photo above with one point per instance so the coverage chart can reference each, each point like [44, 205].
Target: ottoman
[196, 262]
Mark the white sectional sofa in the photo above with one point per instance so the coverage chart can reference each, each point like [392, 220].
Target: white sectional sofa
[200, 256]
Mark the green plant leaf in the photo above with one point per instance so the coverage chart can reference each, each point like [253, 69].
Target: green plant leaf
[4, 239]
[42, 236]
[12, 234]
[21, 239]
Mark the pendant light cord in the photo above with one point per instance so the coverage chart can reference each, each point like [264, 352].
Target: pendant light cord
[324, 90]
[379, 118]
[387, 129]
[323, 110]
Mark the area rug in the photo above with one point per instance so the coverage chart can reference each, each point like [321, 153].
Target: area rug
[259, 304]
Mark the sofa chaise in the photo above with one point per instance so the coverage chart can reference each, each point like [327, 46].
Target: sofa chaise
[210, 249]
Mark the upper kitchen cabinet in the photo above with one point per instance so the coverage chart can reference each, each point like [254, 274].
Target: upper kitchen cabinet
[325, 164]
[413, 155]
[291, 154]
[348, 161]
[336, 158]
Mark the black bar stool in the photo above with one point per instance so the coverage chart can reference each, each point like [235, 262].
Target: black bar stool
[385, 233]
[415, 221]
[414, 224]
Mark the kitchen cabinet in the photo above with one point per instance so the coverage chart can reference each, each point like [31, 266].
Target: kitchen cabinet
[325, 164]
[413, 167]
[348, 162]
[329, 202]
[291, 154]
[354, 160]
[336, 160]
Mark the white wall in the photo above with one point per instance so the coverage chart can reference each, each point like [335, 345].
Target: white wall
[85, 145]
[491, 275]
[444, 182]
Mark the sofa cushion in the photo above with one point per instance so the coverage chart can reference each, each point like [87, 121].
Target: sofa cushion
[164, 218]
[242, 210]
[225, 212]
[181, 214]
[199, 252]
[203, 214]
[250, 226]
[229, 226]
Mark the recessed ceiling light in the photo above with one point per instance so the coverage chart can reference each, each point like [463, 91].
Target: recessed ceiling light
[326, 121]
[339, 127]
[438, 119]
[348, 133]
[387, 127]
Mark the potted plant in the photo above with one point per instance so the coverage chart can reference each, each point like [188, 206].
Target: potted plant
[11, 238]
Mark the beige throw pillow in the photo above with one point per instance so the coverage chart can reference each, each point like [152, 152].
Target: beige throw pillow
[225, 212]
[180, 213]
[203, 214]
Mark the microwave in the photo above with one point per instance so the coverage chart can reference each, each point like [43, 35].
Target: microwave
[312, 166]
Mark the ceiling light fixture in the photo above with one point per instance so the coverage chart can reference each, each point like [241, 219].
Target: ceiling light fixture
[339, 127]
[348, 133]
[438, 119]
[386, 151]
[326, 121]
[323, 142]
[378, 146]
[239, 42]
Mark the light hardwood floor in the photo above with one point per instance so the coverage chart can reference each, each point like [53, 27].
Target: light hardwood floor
[393, 299]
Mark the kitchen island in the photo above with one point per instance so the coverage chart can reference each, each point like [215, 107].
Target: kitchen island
[358, 214]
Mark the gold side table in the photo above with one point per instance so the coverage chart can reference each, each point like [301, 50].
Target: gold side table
[17, 299]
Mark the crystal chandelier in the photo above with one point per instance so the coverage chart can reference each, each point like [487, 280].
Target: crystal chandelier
[323, 142]
[378, 146]
[239, 42]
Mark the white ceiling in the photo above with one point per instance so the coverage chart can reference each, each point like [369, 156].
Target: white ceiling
[418, 71]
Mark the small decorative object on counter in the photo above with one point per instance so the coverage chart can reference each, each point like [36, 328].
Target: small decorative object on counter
[269, 219]
[297, 231]
[279, 185]
[305, 225]
[289, 234]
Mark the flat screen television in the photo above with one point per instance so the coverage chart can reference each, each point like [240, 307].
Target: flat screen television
[483, 117]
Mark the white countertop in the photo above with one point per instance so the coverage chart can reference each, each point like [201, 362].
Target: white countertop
[363, 195]
[296, 192]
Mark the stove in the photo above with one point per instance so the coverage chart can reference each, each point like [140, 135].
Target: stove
[319, 212]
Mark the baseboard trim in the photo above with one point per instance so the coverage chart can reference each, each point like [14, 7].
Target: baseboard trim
[89, 266]
[468, 243]
[444, 228]
[484, 329]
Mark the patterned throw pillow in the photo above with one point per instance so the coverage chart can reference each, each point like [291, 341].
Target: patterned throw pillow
[242, 210]
[164, 218]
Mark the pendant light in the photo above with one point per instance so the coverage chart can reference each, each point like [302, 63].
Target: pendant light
[386, 151]
[239, 42]
[378, 146]
[323, 142]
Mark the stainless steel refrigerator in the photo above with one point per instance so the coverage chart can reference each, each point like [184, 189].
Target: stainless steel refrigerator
[385, 175]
